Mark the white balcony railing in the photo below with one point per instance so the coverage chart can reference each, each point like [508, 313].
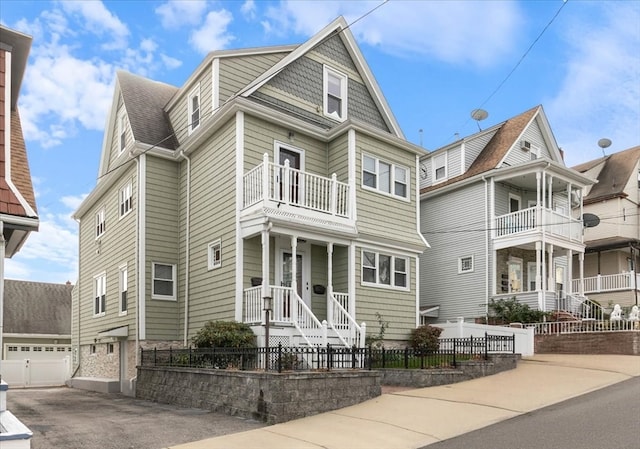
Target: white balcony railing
[285, 185]
[608, 283]
[526, 220]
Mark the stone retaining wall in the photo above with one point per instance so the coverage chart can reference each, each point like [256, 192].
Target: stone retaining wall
[268, 397]
[625, 343]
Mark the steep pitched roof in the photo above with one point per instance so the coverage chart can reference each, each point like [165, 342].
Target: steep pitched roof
[144, 100]
[496, 149]
[614, 176]
[37, 308]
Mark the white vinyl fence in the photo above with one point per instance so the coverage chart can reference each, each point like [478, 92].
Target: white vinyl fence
[36, 373]
[523, 337]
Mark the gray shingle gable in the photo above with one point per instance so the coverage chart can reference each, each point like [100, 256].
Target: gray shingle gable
[144, 101]
[37, 308]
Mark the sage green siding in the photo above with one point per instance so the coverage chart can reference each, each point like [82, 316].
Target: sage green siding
[338, 157]
[213, 217]
[114, 149]
[179, 111]
[162, 232]
[381, 214]
[319, 277]
[398, 307]
[340, 269]
[104, 255]
[237, 72]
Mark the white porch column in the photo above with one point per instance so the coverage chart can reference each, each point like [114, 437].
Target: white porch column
[550, 192]
[569, 271]
[266, 291]
[294, 264]
[581, 288]
[539, 197]
[329, 282]
[539, 270]
[265, 177]
[543, 276]
[551, 278]
[352, 279]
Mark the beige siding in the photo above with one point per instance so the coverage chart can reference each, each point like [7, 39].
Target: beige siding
[106, 254]
[380, 214]
[318, 277]
[114, 145]
[178, 114]
[340, 269]
[161, 243]
[338, 157]
[238, 72]
[395, 306]
[213, 208]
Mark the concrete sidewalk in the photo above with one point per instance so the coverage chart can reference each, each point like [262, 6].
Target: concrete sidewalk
[415, 418]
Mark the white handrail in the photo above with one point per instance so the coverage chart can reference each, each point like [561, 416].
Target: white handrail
[340, 319]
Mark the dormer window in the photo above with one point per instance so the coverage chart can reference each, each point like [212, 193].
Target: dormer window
[194, 109]
[440, 167]
[335, 94]
[122, 132]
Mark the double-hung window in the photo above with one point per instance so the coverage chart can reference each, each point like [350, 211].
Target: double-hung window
[440, 167]
[384, 270]
[125, 196]
[124, 287]
[194, 109]
[215, 254]
[100, 223]
[385, 177]
[164, 281]
[335, 94]
[99, 294]
[122, 131]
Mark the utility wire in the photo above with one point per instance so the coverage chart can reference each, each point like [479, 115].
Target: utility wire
[237, 94]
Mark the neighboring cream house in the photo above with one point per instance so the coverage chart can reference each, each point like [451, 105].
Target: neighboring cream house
[613, 246]
[276, 172]
[497, 209]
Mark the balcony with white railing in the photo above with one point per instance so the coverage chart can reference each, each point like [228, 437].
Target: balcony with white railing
[526, 221]
[296, 191]
[604, 283]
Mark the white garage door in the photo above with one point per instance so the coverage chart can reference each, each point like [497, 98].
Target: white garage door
[36, 351]
[36, 373]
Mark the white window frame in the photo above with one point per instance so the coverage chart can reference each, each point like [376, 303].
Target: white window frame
[191, 125]
[392, 177]
[173, 279]
[125, 199]
[212, 262]
[122, 130]
[534, 152]
[100, 223]
[99, 294]
[439, 161]
[461, 267]
[326, 73]
[123, 284]
[392, 270]
[513, 196]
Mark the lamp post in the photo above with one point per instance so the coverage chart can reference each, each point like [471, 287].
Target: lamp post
[266, 303]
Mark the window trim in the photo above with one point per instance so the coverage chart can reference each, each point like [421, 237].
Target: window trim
[344, 79]
[123, 287]
[173, 279]
[129, 185]
[195, 92]
[100, 225]
[435, 167]
[461, 269]
[100, 300]
[392, 270]
[122, 130]
[211, 262]
[392, 177]
[513, 196]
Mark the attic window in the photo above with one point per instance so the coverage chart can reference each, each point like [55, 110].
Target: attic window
[440, 167]
[194, 109]
[335, 94]
[122, 135]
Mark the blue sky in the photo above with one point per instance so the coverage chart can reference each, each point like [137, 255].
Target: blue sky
[435, 62]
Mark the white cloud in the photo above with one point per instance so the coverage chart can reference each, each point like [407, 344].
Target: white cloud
[248, 9]
[177, 13]
[478, 33]
[169, 62]
[97, 19]
[72, 202]
[600, 93]
[213, 35]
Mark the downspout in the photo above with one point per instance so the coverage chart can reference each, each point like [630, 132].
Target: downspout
[137, 262]
[486, 248]
[78, 302]
[187, 249]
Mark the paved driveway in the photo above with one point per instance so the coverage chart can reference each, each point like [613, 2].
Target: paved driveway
[70, 418]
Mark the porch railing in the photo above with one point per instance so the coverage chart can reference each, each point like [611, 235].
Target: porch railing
[581, 307]
[608, 282]
[341, 321]
[286, 185]
[583, 326]
[525, 220]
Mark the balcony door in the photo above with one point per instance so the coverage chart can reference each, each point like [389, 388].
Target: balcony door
[293, 178]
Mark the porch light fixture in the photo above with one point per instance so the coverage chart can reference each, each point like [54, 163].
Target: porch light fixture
[266, 304]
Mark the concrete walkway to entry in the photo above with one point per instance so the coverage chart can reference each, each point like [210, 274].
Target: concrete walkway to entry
[415, 418]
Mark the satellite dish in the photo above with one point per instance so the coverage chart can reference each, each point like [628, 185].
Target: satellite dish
[478, 115]
[604, 143]
[590, 220]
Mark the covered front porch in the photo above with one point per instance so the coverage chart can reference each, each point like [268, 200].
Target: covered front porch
[306, 283]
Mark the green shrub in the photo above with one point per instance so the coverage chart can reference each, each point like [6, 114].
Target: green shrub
[376, 340]
[511, 311]
[224, 334]
[425, 339]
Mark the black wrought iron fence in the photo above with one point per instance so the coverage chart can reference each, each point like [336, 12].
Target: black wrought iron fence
[279, 358]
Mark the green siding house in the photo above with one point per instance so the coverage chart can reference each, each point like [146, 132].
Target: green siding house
[274, 174]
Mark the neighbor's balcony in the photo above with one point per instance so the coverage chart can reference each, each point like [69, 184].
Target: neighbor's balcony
[609, 283]
[526, 221]
[269, 184]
